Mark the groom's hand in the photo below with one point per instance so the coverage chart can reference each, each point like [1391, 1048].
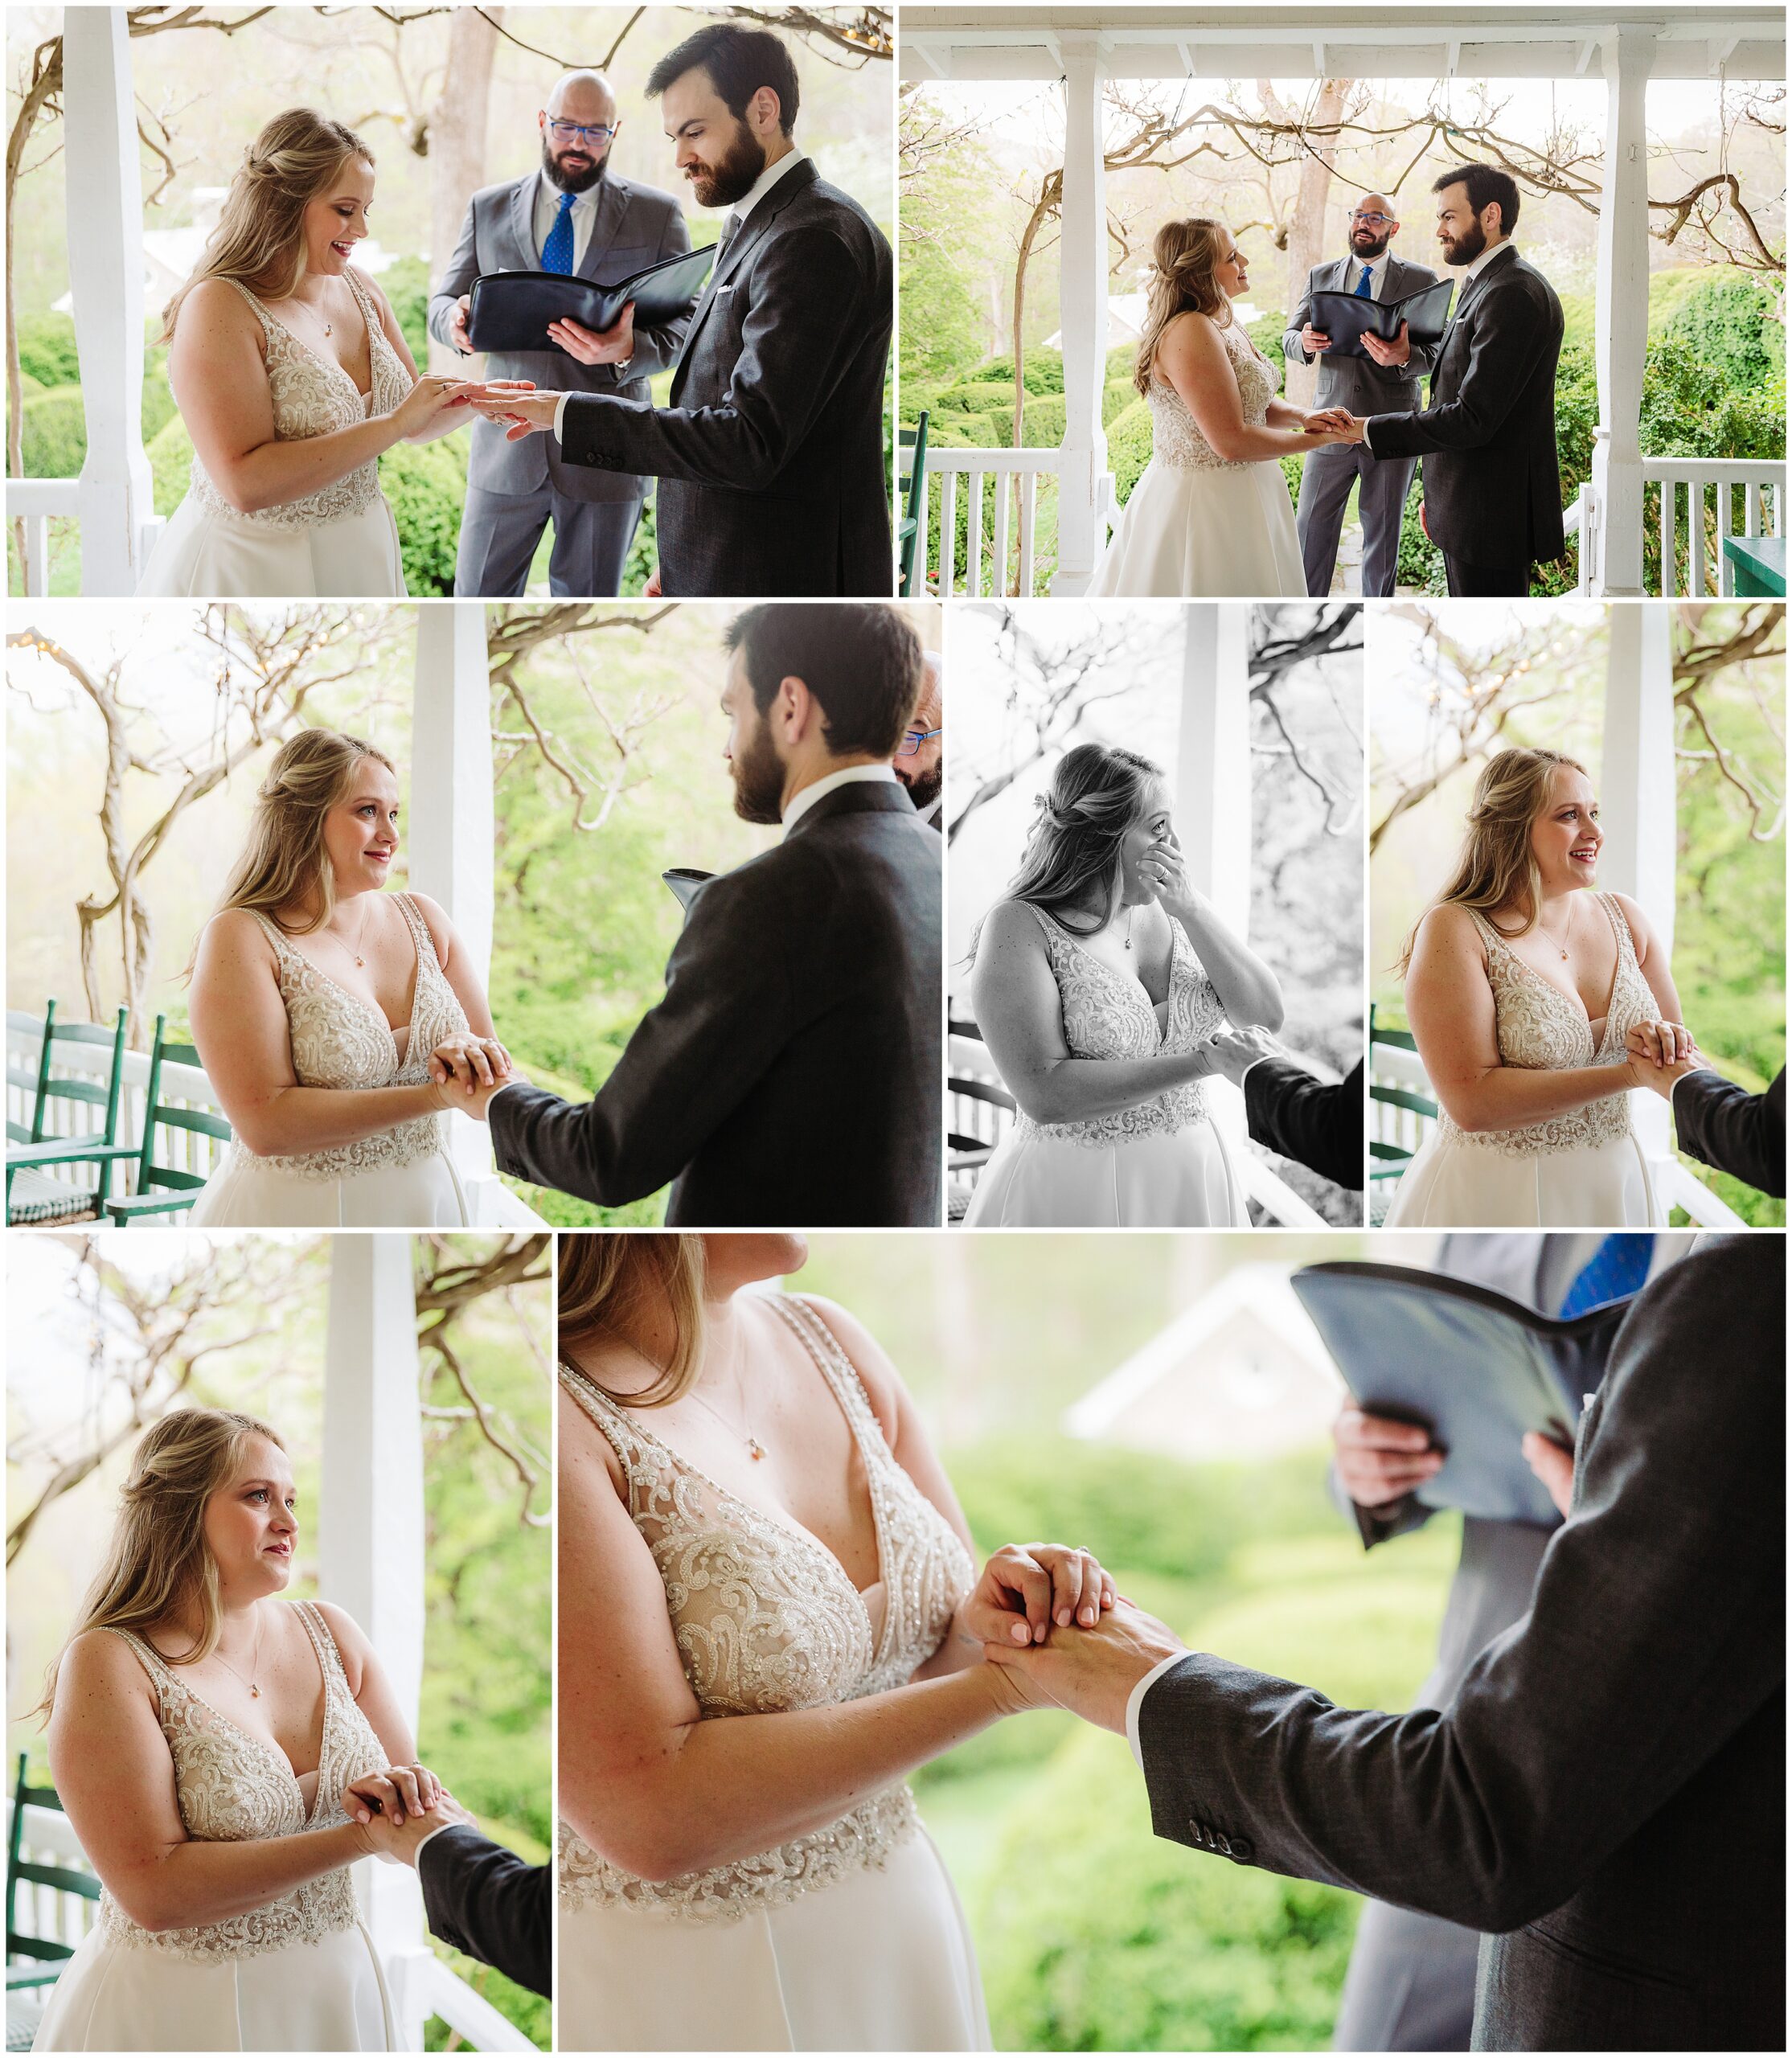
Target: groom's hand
[1093, 1673]
[525, 413]
[399, 1845]
[1236, 1050]
[614, 345]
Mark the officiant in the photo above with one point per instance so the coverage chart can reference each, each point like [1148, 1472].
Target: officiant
[572, 213]
[1385, 382]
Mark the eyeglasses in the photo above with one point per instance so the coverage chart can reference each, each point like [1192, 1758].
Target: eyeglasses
[581, 132]
[913, 738]
[1371, 221]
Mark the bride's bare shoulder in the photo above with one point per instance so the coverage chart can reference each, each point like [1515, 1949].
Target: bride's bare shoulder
[99, 1662]
[232, 939]
[882, 1382]
[1447, 932]
[1009, 925]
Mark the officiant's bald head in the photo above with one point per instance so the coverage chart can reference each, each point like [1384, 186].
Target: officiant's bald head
[573, 157]
[1373, 223]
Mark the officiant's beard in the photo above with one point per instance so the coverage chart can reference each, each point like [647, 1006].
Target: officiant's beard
[1368, 248]
[570, 181]
[925, 789]
[734, 174]
[758, 776]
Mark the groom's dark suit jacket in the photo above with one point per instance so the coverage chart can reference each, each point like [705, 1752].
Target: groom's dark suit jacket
[1740, 1132]
[1297, 1116]
[1493, 489]
[1607, 1787]
[792, 1074]
[770, 458]
[484, 1900]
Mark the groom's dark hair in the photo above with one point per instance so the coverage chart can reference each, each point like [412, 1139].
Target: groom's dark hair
[739, 62]
[1485, 183]
[862, 662]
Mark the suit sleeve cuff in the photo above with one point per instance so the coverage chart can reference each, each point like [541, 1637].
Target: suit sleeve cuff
[1136, 1701]
[560, 417]
[1368, 437]
[441, 1830]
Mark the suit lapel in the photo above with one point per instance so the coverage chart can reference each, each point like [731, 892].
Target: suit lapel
[752, 231]
[522, 223]
[613, 204]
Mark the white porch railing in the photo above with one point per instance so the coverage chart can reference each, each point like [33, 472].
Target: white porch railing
[428, 1987]
[34, 502]
[490, 1203]
[1697, 497]
[1000, 467]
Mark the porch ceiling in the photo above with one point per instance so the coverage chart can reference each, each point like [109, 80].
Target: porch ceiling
[1247, 42]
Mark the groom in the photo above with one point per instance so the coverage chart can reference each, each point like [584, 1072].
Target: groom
[770, 458]
[1492, 489]
[792, 1073]
[478, 1896]
[1605, 1793]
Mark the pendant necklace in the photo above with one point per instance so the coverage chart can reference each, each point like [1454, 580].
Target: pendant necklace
[1561, 947]
[755, 1450]
[254, 1662]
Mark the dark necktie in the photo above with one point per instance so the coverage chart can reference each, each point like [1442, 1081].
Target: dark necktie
[1613, 1272]
[556, 253]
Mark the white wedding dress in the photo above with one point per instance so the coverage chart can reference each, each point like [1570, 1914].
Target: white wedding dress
[1198, 524]
[1161, 1165]
[339, 541]
[849, 1938]
[298, 1974]
[1581, 1170]
[399, 1179]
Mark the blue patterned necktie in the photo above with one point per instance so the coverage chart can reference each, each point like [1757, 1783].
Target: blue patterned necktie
[1613, 1272]
[1362, 291]
[556, 253]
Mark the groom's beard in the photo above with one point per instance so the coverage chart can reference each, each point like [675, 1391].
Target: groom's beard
[925, 789]
[733, 174]
[758, 776]
[573, 181]
[1467, 247]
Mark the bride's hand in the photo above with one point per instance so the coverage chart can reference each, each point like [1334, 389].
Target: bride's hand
[1161, 869]
[1028, 1588]
[432, 396]
[394, 1792]
[1660, 1043]
[470, 1062]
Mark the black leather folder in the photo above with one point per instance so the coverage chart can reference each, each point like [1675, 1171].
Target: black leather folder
[510, 310]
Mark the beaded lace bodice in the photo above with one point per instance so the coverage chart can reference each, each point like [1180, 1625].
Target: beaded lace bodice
[341, 1039]
[1175, 439]
[767, 1622]
[1109, 1016]
[233, 1787]
[1543, 1029]
[313, 395]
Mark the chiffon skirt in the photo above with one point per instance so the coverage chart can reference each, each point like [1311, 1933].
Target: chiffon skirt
[246, 1192]
[205, 556]
[1190, 531]
[1182, 1181]
[329, 1995]
[879, 1960]
[1454, 1185]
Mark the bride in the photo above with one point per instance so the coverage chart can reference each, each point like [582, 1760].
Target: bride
[754, 1526]
[292, 377]
[218, 1752]
[320, 1055]
[1211, 514]
[1098, 984]
[1537, 1003]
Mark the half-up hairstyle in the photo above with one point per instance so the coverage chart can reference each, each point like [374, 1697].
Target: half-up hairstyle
[158, 1564]
[1071, 867]
[1185, 259]
[1497, 866]
[284, 862]
[606, 1282]
[260, 239]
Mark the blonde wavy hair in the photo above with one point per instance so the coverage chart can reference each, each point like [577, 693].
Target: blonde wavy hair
[158, 1563]
[1185, 258]
[284, 860]
[606, 1280]
[260, 239]
[1497, 867]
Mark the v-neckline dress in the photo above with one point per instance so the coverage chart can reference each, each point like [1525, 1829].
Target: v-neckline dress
[1161, 1164]
[339, 542]
[300, 1973]
[400, 1178]
[849, 1937]
[1584, 1169]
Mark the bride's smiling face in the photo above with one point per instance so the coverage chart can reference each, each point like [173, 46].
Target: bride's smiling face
[250, 1524]
[1229, 272]
[1565, 837]
[336, 220]
[360, 832]
[731, 1262]
[1152, 831]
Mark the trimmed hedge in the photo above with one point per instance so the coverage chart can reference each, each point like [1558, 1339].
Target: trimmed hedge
[426, 484]
[171, 465]
[1730, 324]
[54, 440]
[1128, 448]
[1117, 396]
[47, 350]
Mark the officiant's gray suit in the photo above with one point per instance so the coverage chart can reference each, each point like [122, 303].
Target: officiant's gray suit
[514, 489]
[1366, 388]
[1411, 1983]
[1604, 1795]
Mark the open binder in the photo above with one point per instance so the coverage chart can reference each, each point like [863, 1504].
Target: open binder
[510, 311]
[1345, 319]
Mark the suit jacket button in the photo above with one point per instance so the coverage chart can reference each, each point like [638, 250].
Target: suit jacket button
[1223, 1844]
[1243, 1850]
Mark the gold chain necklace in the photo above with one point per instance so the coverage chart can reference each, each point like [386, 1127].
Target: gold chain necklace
[254, 1662]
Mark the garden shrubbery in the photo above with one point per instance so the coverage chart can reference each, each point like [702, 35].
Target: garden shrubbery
[426, 484]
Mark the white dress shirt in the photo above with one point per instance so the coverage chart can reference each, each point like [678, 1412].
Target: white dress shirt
[548, 197]
[1135, 1700]
[1378, 272]
[853, 774]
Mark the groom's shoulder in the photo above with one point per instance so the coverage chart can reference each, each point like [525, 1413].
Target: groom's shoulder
[820, 202]
[1738, 1281]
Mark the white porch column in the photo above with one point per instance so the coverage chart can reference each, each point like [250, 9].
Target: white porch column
[452, 814]
[105, 201]
[371, 1528]
[1082, 311]
[1621, 313]
[1637, 795]
[1213, 757]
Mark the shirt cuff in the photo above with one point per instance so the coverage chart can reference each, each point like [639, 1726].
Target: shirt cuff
[1368, 440]
[559, 416]
[1136, 1699]
[441, 1830]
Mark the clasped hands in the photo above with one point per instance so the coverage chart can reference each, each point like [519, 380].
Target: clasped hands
[525, 409]
[466, 1070]
[396, 1809]
[1656, 1054]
